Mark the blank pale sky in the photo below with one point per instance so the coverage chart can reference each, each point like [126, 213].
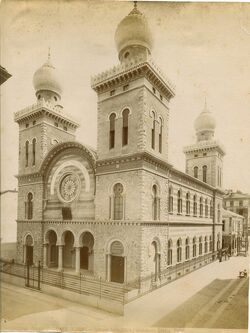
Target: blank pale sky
[203, 49]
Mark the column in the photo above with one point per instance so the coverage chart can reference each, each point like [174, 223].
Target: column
[108, 267]
[60, 257]
[45, 255]
[77, 258]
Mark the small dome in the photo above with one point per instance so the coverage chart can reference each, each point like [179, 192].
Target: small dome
[205, 122]
[46, 78]
[133, 30]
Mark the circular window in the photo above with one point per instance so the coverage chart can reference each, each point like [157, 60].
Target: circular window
[69, 187]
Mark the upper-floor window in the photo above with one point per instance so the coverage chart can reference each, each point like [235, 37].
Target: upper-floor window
[112, 130]
[170, 200]
[188, 203]
[66, 213]
[179, 250]
[170, 252]
[210, 244]
[206, 208]
[204, 173]
[29, 206]
[155, 203]
[179, 202]
[201, 206]
[34, 151]
[125, 114]
[160, 136]
[187, 249]
[223, 225]
[218, 213]
[196, 172]
[200, 245]
[194, 247]
[118, 201]
[194, 205]
[26, 153]
[211, 209]
[153, 132]
[205, 245]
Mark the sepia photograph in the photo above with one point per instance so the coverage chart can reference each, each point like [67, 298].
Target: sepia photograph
[125, 166]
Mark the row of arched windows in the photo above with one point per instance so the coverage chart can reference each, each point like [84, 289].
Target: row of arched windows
[33, 152]
[206, 246]
[153, 133]
[204, 173]
[125, 128]
[205, 208]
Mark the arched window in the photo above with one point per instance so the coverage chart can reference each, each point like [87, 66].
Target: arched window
[125, 114]
[179, 202]
[29, 206]
[155, 204]
[218, 213]
[200, 245]
[218, 176]
[205, 245]
[195, 206]
[170, 200]
[211, 209]
[196, 172]
[112, 131]
[153, 132]
[160, 137]
[210, 244]
[26, 153]
[201, 206]
[118, 201]
[179, 250]
[204, 173]
[34, 151]
[170, 252]
[194, 247]
[206, 208]
[187, 249]
[187, 203]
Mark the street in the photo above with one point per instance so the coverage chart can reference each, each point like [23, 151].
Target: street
[212, 296]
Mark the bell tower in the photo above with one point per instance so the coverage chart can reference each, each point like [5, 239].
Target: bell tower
[204, 160]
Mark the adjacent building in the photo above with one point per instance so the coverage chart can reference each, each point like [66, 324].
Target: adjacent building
[120, 212]
[4, 75]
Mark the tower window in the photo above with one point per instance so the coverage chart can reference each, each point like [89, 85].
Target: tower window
[112, 92]
[160, 137]
[112, 131]
[153, 133]
[204, 173]
[125, 114]
[118, 201]
[196, 172]
[26, 153]
[33, 151]
[29, 206]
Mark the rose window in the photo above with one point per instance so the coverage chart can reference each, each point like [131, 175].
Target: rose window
[69, 187]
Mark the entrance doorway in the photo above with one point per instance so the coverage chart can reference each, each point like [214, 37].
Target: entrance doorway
[68, 250]
[84, 257]
[53, 249]
[117, 269]
[29, 250]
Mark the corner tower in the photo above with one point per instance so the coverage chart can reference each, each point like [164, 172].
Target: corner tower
[133, 97]
[204, 160]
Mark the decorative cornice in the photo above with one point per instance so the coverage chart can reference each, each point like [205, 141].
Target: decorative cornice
[128, 71]
[43, 108]
[204, 146]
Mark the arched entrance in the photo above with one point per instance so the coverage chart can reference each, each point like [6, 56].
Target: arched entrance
[29, 250]
[68, 250]
[117, 262]
[52, 249]
[86, 251]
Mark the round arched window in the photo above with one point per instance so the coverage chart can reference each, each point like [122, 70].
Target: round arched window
[69, 187]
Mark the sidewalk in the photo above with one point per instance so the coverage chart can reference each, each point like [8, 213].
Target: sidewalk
[45, 312]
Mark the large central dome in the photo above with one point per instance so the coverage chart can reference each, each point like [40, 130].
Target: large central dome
[133, 30]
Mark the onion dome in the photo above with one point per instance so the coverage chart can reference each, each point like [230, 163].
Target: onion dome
[46, 78]
[133, 30]
[205, 125]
